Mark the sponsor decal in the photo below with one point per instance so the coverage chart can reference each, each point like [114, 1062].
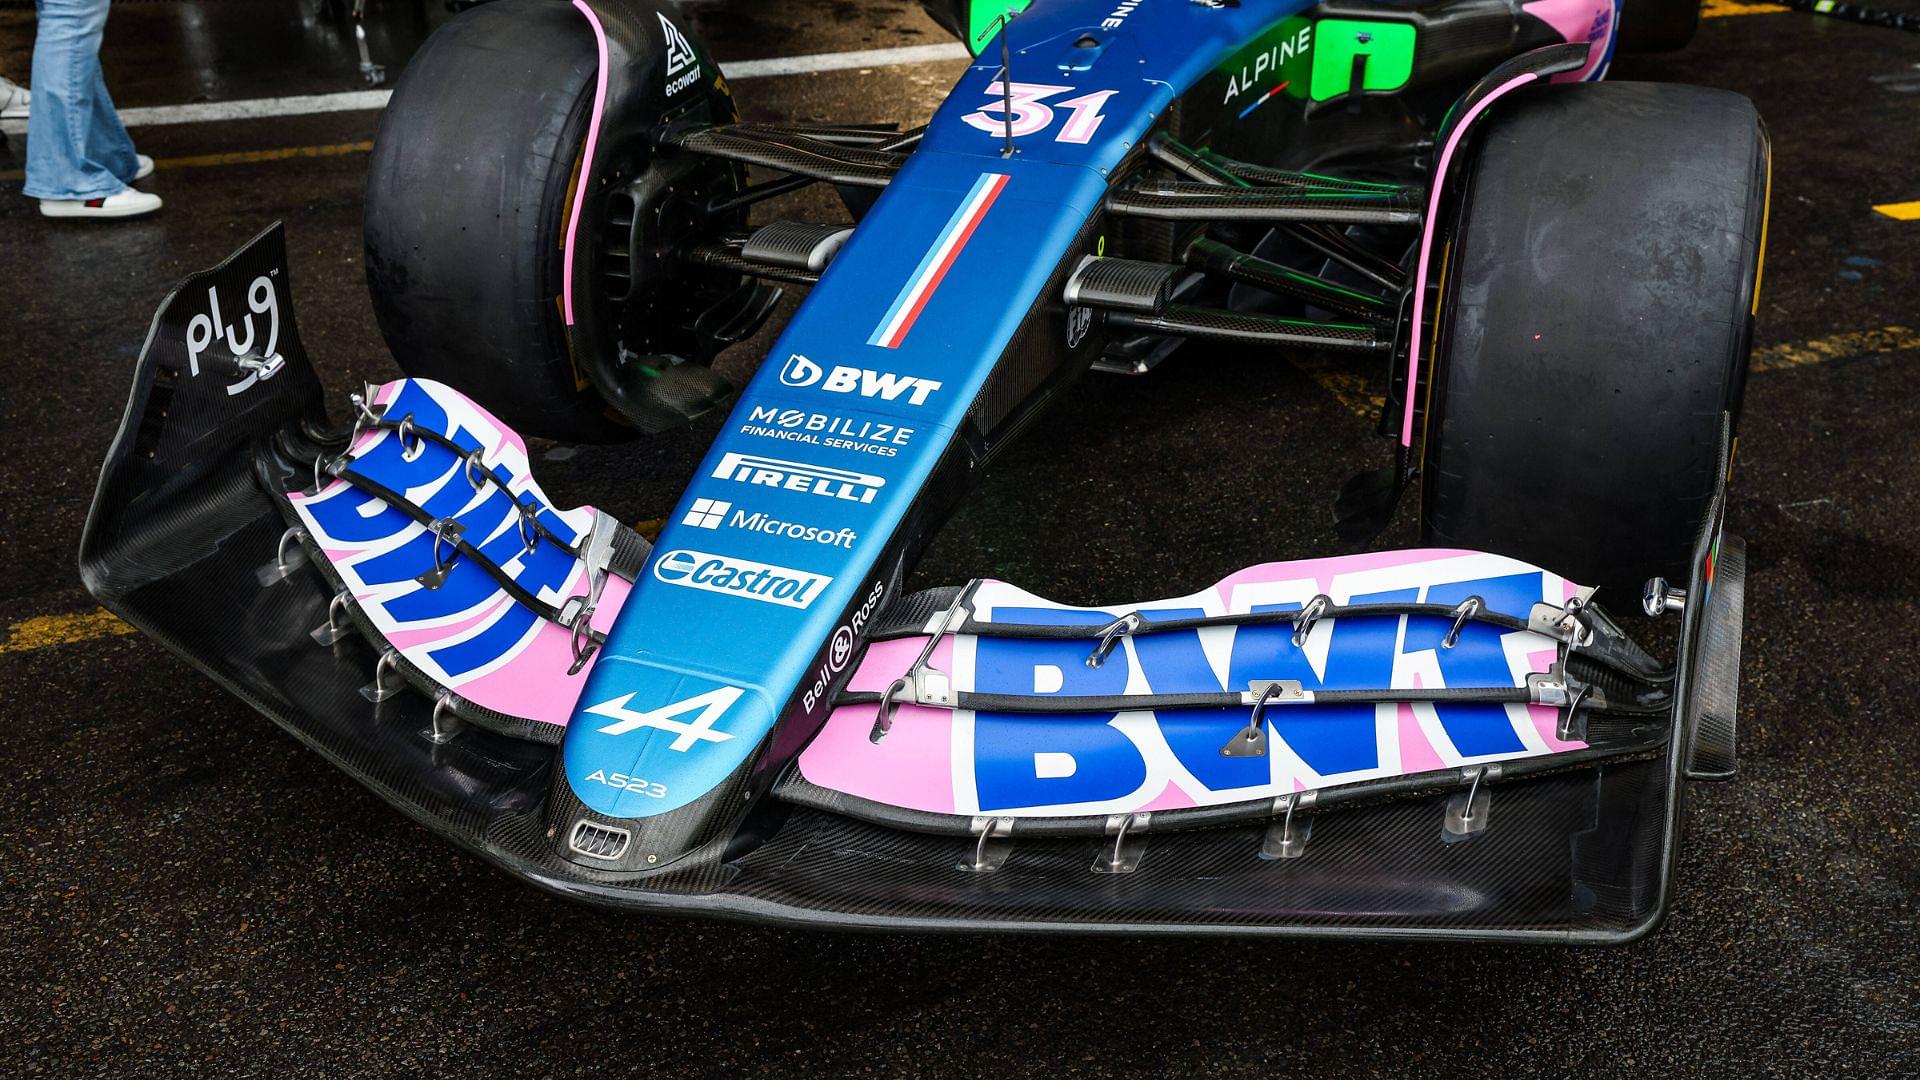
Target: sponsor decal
[823, 429]
[840, 647]
[867, 383]
[1118, 16]
[706, 513]
[744, 578]
[683, 66]
[784, 475]
[208, 327]
[711, 706]
[1079, 321]
[1253, 71]
[712, 514]
[925, 279]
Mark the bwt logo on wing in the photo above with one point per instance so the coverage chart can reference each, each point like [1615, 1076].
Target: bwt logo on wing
[800, 371]
[793, 476]
[744, 578]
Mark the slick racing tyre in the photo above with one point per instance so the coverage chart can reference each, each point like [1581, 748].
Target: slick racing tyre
[1595, 322]
[1648, 26]
[469, 194]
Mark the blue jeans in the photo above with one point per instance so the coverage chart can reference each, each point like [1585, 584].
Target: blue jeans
[76, 146]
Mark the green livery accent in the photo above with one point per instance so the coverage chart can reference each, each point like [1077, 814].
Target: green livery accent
[1388, 47]
[983, 20]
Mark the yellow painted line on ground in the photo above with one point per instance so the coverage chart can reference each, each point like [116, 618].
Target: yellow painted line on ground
[1347, 386]
[1847, 346]
[1720, 9]
[245, 157]
[46, 631]
[1900, 211]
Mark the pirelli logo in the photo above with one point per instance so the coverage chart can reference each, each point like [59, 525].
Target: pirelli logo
[828, 483]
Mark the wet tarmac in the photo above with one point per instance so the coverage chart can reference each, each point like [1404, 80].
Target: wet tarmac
[183, 886]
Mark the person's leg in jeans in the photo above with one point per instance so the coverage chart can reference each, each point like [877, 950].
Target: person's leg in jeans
[76, 145]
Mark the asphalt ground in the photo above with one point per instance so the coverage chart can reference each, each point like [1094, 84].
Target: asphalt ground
[183, 887]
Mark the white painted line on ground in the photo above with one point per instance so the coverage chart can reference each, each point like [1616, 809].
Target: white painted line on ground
[354, 100]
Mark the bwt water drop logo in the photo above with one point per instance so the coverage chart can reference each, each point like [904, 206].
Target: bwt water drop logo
[867, 383]
[209, 327]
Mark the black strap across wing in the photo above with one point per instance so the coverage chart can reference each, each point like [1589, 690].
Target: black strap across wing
[1638, 685]
[477, 472]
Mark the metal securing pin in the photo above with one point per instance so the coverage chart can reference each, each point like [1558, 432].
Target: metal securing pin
[1468, 608]
[991, 849]
[334, 628]
[378, 690]
[1124, 856]
[444, 724]
[1124, 626]
[364, 414]
[1565, 731]
[889, 701]
[1251, 741]
[1309, 615]
[1467, 812]
[580, 633]
[317, 468]
[286, 558]
[444, 530]
[1283, 840]
[473, 458]
[529, 526]
[407, 431]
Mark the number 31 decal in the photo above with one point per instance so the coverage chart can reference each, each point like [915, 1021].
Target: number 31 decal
[1031, 113]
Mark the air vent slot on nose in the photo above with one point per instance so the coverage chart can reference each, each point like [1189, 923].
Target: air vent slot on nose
[597, 841]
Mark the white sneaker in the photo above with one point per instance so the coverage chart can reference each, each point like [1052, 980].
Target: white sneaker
[126, 204]
[14, 100]
[146, 167]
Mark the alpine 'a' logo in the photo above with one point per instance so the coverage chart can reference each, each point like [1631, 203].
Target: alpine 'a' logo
[712, 706]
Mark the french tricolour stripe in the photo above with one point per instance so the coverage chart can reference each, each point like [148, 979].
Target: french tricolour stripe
[926, 277]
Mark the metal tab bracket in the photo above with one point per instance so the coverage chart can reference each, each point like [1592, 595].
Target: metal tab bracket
[1549, 687]
[445, 531]
[1561, 623]
[335, 627]
[1129, 844]
[924, 684]
[993, 843]
[1251, 741]
[1286, 837]
[1467, 811]
[287, 557]
[444, 724]
[378, 690]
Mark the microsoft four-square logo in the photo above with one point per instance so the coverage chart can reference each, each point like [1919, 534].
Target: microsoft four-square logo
[706, 513]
